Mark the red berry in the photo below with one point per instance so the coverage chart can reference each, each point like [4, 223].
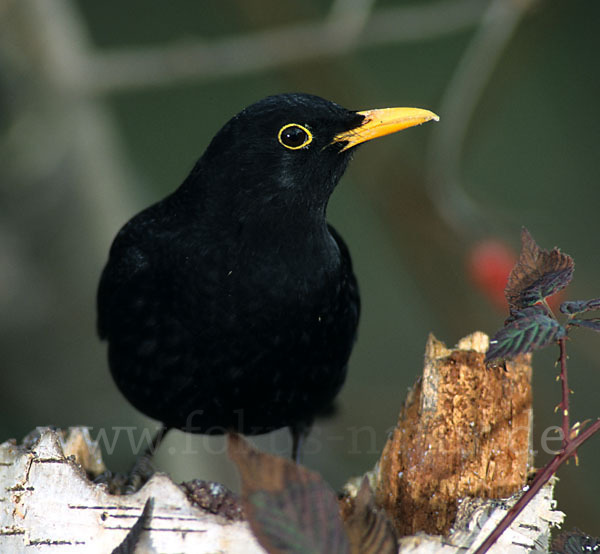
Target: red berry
[489, 264]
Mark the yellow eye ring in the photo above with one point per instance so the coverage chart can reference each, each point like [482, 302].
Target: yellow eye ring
[294, 136]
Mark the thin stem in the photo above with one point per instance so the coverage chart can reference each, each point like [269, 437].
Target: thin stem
[564, 403]
[541, 478]
[549, 311]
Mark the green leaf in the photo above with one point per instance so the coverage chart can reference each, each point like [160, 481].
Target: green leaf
[574, 542]
[580, 306]
[592, 323]
[290, 509]
[527, 330]
[537, 274]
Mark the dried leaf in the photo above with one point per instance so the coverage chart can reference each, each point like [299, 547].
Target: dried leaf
[580, 306]
[538, 273]
[527, 330]
[289, 508]
[131, 540]
[369, 529]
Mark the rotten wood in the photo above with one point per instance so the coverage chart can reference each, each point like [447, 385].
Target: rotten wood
[464, 431]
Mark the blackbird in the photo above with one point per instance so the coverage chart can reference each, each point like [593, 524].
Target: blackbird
[231, 304]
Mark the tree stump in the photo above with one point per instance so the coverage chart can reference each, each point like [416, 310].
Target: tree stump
[464, 431]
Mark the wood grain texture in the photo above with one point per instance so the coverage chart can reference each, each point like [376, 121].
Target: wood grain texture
[464, 431]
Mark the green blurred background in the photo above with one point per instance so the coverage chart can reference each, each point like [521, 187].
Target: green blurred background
[104, 107]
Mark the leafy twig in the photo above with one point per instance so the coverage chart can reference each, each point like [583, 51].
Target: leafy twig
[532, 325]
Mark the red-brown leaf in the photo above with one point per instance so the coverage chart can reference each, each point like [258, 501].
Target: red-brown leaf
[538, 273]
[289, 508]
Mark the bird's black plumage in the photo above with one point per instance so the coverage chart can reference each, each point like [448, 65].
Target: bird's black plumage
[232, 304]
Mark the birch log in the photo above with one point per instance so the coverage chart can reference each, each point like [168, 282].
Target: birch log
[49, 504]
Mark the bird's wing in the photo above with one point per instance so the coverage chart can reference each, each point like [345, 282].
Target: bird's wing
[127, 267]
[347, 270]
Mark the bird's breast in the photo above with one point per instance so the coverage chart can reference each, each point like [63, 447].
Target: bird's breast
[271, 289]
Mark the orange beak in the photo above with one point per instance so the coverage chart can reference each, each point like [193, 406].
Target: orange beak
[381, 122]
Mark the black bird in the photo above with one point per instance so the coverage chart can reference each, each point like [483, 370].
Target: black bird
[231, 304]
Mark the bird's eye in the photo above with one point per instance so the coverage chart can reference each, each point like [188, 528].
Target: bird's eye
[294, 136]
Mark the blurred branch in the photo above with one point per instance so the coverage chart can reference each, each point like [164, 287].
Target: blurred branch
[64, 181]
[354, 15]
[53, 41]
[196, 60]
[461, 98]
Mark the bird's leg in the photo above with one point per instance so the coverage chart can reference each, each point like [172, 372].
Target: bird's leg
[299, 433]
[143, 469]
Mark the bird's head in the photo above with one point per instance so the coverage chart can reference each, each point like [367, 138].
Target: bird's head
[292, 149]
